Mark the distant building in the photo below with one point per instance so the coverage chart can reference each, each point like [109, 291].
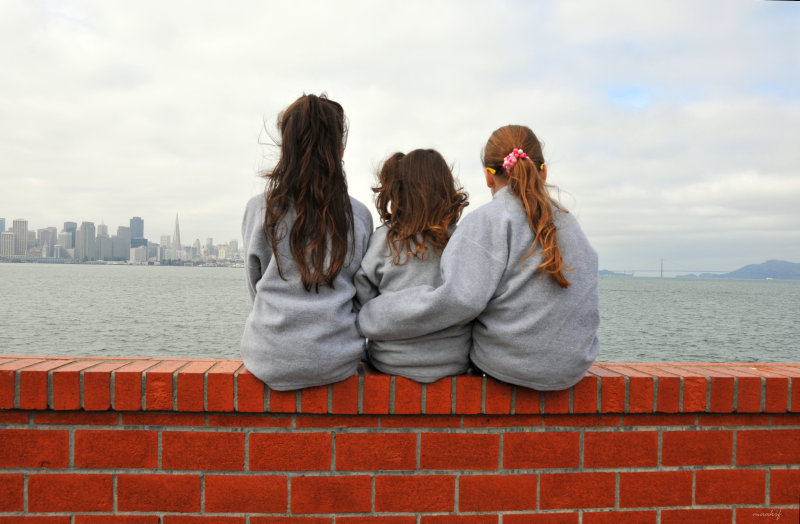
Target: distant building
[176, 236]
[121, 244]
[2, 225]
[137, 227]
[20, 231]
[6, 244]
[104, 245]
[65, 239]
[85, 244]
[71, 228]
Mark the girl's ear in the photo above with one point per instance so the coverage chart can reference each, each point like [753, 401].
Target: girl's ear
[543, 172]
[489, 172]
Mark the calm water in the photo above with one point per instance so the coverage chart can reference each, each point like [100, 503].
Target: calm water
[200, 312]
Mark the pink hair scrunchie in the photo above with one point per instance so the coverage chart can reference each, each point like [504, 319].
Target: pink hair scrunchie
[511, 158]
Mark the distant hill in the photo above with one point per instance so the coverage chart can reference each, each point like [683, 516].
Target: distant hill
[777, 269]
[607, 273]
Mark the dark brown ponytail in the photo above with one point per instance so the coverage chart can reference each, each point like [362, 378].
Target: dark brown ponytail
[309, 177]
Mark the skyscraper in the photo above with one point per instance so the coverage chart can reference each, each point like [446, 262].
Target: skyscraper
[20, 230]
[6, 244]
[176, 237]
[2, 225]
[71, 228]
[137, 227]
[85, 245]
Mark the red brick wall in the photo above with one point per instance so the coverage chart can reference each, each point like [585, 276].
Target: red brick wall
[175, 441]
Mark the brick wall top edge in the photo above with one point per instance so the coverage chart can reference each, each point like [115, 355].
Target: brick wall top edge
[620, 388]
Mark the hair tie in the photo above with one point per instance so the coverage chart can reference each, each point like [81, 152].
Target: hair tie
[511, 159]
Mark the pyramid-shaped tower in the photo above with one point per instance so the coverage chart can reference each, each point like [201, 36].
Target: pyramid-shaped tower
[176, 236]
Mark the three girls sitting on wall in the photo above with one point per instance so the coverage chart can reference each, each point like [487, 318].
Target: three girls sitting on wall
[512, 291]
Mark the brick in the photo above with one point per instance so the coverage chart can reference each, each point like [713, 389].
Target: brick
[620, 449]
[336, 421]
[696, 516]
[497, 492]
[378, 520]
[785, 419]
[468, 394]
[459, 519]
[76, 418]
[289, 520]
[668, 387]
[128, 385]
[459, 451]
[744, 486]
[69, 493]
[14, 417]
[584, 395]
[556, 402]
[792, 372]
[659, 419]
[527, 401]
[345, 396]
[407, 396]
[375, 398]
[202, 450]
[172, 493]
[283, 401]
[748, 397]
[655, 488]
[733, 419]
[498, 397]
[585, 421]
[577, 490]
[249, 393]
[245, 494]
[541, 518]
[290, 451]
[8, 372]
[509, 421]
[220, 383]
[23, 448]
[191, 386]
[116, 519]
[253, 420]
[97, 385]
[11, 492]
[612, 389]
[314, 400]
[696, 448]
[769, 446]
[33, 383]
[614, 517]
[438, 397]
[158, 385]
[759, 515]
[640, 389]
[34, 520]
[541, 450]
[163, 419]
[350, 494]
[420, 421]
[376, 451]
[695, 387]
[67, 385]
[722, 389]
[414, 494]
[116, 449]
[784, 486]
[181, 519]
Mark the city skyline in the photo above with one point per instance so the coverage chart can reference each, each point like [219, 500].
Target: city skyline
[92, 242]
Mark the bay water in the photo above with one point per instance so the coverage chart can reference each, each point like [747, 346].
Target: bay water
[194, 312]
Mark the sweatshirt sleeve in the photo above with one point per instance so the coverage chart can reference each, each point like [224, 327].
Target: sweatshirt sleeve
[472, 265]
[257, 252]
[368, 278]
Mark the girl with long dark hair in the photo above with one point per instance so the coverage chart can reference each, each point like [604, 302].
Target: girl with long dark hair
[304, 239]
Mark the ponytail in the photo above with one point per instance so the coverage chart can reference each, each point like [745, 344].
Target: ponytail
[526, 182]
[309, 178]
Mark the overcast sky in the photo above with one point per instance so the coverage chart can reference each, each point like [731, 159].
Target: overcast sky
[672, 128]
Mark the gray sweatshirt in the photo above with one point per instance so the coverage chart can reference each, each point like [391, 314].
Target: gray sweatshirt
[294, 338]
[527, 331]
[426, 358]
